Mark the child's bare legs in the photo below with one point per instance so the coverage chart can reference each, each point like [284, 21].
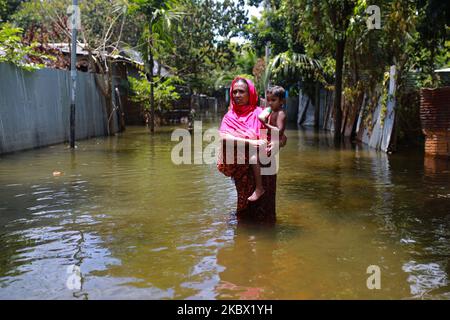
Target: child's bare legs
[259, 190]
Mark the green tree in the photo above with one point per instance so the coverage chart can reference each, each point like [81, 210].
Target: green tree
[164, 91]
[7, 8]
[432, 33]
[16, 52]
[202, 42]
[325, 27]
[278, 25]
[103, 26]
[159, 16]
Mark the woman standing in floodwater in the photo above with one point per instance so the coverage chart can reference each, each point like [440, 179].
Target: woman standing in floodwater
[241, 124]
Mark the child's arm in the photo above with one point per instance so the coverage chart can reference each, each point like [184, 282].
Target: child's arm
[271, 127]
[281, 121]
[281, 124]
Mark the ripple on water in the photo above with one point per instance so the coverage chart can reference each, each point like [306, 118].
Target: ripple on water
[37, 265]
[135, 222]
[424, 277]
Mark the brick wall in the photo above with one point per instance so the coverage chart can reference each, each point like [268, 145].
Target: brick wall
[435, 121]
[437, 143]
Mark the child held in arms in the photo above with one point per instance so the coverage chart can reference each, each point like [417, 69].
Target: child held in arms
[274, 118]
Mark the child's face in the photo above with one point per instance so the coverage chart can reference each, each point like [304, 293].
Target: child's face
[274, 102]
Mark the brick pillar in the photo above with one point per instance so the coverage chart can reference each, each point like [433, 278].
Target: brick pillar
[435, 120]
[437, 143]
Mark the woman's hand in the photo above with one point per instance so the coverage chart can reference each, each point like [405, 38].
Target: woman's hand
[272, 146]
[258, 143]
[278, 145]
[252, 142]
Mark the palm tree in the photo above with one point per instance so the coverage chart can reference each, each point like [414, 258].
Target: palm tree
[293, 64]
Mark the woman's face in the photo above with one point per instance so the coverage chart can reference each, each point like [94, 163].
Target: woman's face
[240, 93]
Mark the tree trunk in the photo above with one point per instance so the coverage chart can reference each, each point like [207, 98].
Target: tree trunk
[107, 92]
[340, 45]
[110, 109]
[106, 88]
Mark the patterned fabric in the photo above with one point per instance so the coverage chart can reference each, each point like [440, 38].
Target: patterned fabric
[261, 211]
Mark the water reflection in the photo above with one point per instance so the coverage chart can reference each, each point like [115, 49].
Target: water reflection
[254, 261]
[389, 202]
[139, 227]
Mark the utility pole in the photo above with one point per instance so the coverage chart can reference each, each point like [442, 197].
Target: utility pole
[267, 56]
[152, 96]
[73, 69]
[150, 75]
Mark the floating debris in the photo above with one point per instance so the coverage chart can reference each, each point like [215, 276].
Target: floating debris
[407, 241]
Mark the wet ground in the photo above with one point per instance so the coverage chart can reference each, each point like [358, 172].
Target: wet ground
[121, 221]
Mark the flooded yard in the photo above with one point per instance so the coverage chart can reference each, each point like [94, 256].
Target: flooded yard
[121, 221]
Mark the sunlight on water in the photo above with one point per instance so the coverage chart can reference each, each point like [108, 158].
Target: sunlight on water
[136, 226]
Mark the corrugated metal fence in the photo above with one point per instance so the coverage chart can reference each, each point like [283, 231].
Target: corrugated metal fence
[34, 108]
[376, 133]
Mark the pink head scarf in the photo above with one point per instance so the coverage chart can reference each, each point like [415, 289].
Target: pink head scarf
[242, 121]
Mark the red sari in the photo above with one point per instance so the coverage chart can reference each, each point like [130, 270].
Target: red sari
[242, 121]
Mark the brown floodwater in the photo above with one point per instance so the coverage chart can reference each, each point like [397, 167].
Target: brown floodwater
[116, 219]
